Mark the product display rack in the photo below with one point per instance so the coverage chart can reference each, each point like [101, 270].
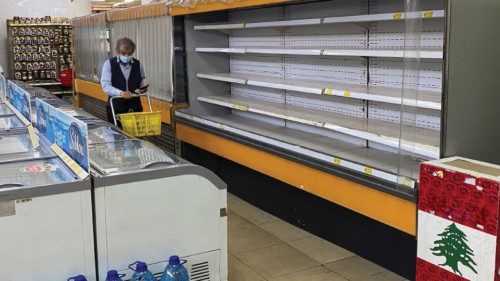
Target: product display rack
[39, 51]
[338, 73]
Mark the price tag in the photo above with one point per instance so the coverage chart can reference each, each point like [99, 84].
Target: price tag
[397, 16]
[329, 91]
[240, 107]
[221, 126]
[428, 14]
[33, 136]
[368, 170]
[407, 182]
[347, 94]
[336, 161]
[81, 173]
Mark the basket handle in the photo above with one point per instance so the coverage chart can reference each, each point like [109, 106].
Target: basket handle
[120, 97]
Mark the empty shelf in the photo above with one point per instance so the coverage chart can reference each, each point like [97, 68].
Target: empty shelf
[318, 21]
[426, 99]
[426, 142]
[385, 53]
[424, 54]
[364, 160]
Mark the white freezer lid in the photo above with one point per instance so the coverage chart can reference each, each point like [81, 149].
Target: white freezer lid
[127, 156]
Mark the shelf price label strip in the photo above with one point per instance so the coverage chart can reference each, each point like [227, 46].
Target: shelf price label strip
[304, 151]
[79, 171]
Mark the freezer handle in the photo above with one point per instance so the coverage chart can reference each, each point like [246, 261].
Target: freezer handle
[9, 185]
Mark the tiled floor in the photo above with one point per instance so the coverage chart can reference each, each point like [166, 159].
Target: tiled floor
[265, 248]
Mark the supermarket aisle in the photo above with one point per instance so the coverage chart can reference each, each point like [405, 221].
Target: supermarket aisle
[263, 247]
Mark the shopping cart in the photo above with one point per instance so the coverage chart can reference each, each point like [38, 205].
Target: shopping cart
[138, 124]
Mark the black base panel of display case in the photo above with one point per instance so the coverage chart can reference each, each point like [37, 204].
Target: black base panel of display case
[368, 238]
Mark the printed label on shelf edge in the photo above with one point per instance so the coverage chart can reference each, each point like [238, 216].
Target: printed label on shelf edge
[67, 132]
[20, 99]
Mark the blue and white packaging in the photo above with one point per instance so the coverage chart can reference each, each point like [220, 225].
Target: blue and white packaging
[3, 88]
[65, 131]
[20, 99]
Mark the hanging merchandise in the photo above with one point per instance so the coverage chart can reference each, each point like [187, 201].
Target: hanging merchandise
[141, 272]
[41, 40]
[175, 270]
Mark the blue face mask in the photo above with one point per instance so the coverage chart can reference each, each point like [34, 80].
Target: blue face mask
[125, 59]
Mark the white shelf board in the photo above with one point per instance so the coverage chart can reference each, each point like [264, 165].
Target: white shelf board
[328, 20]
[426, 99]
[220, 26]
[338, 53]
[381, 164]
[221, 50]
[385, 53]
[386, 17]
[284, 23]
[426, 142]
[271, 51]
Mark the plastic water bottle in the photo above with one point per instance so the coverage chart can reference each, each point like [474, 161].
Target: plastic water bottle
[78, 278]
[141, 272]
[114, 276]
[175, 271]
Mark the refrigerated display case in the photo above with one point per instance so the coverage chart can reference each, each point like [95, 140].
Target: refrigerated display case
[45, 212]
[150, 204]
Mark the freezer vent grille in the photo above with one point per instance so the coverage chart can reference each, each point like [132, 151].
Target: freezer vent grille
[200, 271]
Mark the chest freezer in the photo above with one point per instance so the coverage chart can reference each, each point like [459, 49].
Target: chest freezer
[19, 147]
[45, 222]
[150, 205]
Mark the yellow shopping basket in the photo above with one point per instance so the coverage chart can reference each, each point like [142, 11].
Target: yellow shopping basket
[139, 124]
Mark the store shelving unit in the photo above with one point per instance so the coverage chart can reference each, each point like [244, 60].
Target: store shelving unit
[338, 74]
[39, 51]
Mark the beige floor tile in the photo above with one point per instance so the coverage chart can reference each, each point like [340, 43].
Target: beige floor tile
[277, 260]
[355, 268]
[249, 212]
[235, 221]
[321, 250]
[249, 238]
[240, 272]
[382, 276]
[285, 231]
[319, 273]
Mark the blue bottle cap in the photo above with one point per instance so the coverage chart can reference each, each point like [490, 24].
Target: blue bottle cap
[112, 275]
[80, 278]
[174, 260]
[141, 267]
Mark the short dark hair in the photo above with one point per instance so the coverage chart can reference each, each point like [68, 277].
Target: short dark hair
[126, 42]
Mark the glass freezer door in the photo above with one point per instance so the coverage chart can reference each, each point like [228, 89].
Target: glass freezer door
[105, 134]
[10, 123]
[129, 155]
[19, 148]
[5, 110]
[34, 173]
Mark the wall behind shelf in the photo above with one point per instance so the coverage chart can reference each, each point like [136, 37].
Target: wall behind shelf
[35, 9]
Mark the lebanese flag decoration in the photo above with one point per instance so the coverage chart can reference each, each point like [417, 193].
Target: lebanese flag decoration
[458, 228]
